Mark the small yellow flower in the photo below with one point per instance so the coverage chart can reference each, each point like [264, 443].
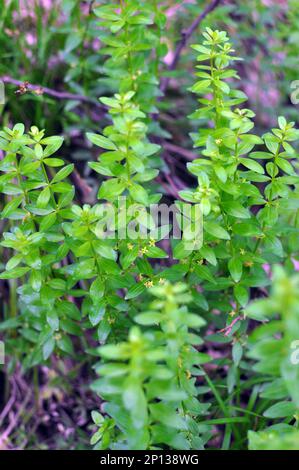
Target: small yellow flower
[26, 216]
[218, 141]
[152, 242]
[189, 375]
[162, 280]
[149, 284]
[144, 250]
[232, 313]
[39, 91]
[199, 261]
[248, 264]
[242, 251]
[130, 246]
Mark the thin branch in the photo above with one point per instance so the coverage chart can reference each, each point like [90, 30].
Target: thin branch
[60, 95]
[173, 148]
[10, 402]
[82, 185]
[185, 36]
[227, 330]
[169, 190]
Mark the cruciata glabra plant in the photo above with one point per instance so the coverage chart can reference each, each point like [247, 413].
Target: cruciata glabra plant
[73, 287]
[274, 347]
[151, 396]
[231, 182]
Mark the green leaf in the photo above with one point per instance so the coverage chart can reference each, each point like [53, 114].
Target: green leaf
[52, 319]
[14, 273]
[53, 144]
[65, 344]
[112, 188]
[43, 198]
[13, 262]
[274, 440]
[203, 272]
[252, 165]
[241, 294]
[97, 289]
[235, 209]
[48, 348]
[63, 173]
[235, 268]
[101, 141]
[220, 172]
[53, 162]
[134, 400]
[135, 291]
[261, 155]
[11, 206]
[100, 168]
[209, 254]
[285, 166]
[139, 194]
[48, 221]
[282, 122]
[156, 252]
[96, 313]
[97, 418]
[283, 409]
[165, 414]
[201, 86]
[180, 251]
[216, 230]
[149, 318]
[237, 353]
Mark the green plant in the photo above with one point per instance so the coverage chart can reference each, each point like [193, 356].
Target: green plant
[273, 345]
[37, 203]
[229, 177]
[236, 243]
[80, 275]
[132, 38]
[152, 397]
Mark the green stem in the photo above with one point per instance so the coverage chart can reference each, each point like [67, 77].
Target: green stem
[48, 183]
[221, 404]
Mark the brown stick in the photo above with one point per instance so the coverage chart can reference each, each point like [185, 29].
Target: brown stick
[61, 95]
[81, 184]
[187, 154]
[185, 36]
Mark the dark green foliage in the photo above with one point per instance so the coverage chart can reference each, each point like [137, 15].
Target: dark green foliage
[129, 308]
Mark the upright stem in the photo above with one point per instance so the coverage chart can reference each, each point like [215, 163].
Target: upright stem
[215, 98]
[48, 183]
